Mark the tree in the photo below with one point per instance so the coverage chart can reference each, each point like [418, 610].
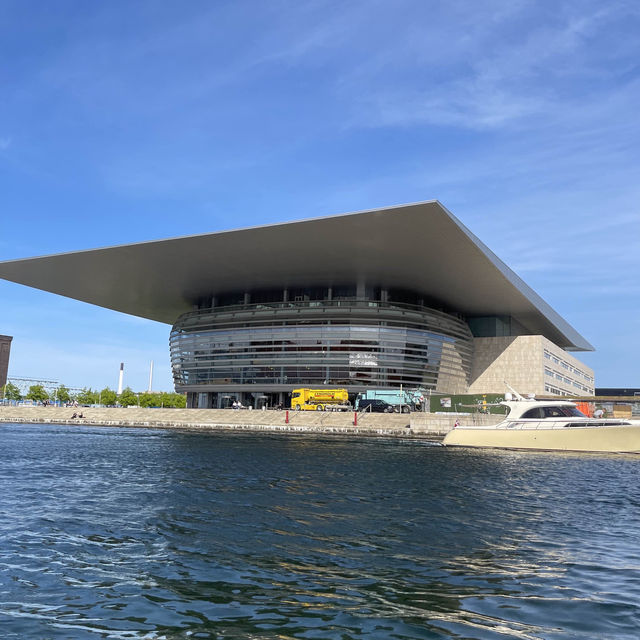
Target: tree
[62, 394]
[149, 400]
[163, 399]
[87, 396]
[108, 396]
[37, 393]
[11, 392]
[173, 400]
[128, 398]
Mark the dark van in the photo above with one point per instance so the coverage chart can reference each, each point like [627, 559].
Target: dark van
[375, 405]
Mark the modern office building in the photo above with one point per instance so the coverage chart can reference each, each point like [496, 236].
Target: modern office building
[403, 296]
[5, 349]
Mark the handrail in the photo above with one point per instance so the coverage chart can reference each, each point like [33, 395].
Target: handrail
[319, 305]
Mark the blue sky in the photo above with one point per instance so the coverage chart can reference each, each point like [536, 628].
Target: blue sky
[123, 122]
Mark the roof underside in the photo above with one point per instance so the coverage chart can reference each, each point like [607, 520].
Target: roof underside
[419, 246]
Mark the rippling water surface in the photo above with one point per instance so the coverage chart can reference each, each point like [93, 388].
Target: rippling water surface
[122, 533]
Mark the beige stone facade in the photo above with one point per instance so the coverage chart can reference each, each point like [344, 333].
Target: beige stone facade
[453, 370]
[428, 425]
[530, 364]
[5, 348]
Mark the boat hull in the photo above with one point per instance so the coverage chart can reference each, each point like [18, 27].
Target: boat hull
[614, 439]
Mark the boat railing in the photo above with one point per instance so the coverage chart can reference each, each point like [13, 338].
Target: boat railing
[563, 424]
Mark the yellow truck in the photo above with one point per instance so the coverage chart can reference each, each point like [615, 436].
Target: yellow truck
[320, 400]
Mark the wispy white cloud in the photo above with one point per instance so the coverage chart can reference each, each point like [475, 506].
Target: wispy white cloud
[520, 116]
[508, 69]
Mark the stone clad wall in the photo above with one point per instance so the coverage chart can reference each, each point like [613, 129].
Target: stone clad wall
[441, 424]
[5, 349]
[521, 361]
[514, 359]
[413, 424]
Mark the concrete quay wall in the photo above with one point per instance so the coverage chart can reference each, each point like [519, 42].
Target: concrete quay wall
[425, 425]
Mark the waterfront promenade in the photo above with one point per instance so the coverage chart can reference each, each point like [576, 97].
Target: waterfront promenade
[418, 425]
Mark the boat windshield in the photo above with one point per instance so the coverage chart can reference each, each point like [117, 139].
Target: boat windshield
[559, 411]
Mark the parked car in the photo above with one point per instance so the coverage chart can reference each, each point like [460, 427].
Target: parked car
[375, 405]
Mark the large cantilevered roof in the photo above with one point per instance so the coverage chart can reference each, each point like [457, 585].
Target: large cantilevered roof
[419, 246]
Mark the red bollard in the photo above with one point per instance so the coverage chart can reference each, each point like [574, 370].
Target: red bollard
[286, 417]
[355, 418]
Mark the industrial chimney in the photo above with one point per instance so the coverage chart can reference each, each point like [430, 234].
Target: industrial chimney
[120, 378]
[150, 377]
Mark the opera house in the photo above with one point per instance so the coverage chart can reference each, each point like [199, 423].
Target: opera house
[400, 296]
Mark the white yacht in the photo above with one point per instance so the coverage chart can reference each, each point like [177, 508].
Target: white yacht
[550, 425]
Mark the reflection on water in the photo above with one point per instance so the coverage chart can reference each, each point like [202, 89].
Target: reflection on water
[109, 533]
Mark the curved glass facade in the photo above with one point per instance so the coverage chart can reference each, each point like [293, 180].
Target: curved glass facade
[354, 344]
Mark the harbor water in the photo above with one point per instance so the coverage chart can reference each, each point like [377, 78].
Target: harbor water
[134, 533]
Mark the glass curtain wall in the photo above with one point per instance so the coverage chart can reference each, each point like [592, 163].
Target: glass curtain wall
[346, 344]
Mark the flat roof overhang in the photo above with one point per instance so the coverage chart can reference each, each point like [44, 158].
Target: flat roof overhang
[419, 246]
